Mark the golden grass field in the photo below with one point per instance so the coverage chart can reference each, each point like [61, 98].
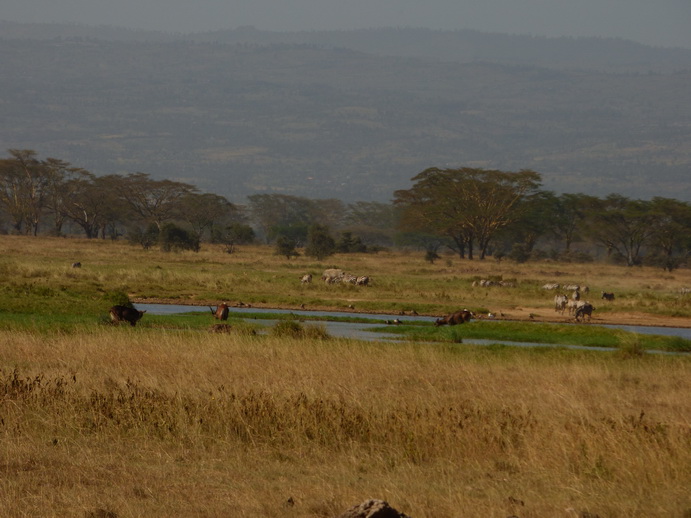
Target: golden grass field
[116, 421]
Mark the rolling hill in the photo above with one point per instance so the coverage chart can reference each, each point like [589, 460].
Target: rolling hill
[348, 115]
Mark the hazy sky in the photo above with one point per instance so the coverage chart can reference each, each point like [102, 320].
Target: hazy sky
[653, 22]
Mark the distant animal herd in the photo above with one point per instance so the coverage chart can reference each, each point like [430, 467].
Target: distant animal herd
[572, 304]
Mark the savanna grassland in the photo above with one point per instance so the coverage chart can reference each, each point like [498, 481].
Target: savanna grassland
[165, 419]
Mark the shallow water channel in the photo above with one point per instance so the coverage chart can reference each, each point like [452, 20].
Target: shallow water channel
[363, 331]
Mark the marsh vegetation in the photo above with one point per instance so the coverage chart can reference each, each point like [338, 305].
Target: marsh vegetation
[166, 419]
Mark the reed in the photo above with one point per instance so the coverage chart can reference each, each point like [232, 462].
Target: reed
[147, 422]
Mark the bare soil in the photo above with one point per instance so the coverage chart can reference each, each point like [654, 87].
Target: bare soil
[631, 318]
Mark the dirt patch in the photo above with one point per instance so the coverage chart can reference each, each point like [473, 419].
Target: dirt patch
[631, 318]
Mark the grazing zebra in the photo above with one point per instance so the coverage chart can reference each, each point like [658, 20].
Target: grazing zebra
[560, 302]
[584, 310]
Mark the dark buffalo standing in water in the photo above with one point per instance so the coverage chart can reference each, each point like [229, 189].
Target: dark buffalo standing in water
[459, 317]
[126, 314]
[221, 312]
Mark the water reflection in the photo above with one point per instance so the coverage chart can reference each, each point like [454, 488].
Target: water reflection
[364, 331]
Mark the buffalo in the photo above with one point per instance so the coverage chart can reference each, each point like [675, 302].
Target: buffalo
[126, 314]
[459, 317]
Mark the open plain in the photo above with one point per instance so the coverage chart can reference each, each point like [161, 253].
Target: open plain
[165, 419]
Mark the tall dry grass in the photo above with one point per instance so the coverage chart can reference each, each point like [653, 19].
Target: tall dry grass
[139, 422]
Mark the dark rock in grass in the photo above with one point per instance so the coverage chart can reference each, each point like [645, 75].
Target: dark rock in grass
[373, 509]
[101, 513]
[220, 328]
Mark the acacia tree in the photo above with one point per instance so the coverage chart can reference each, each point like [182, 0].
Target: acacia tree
[623, 226]
[23, 189]
[154, 201]
[92, 203]
[203, 211]
[11, 194]
[280, 214]
[569, 216]
[535, 220]
[671, 233]
[35, 186]
[373, 222]
[467, 205]
[59, 173]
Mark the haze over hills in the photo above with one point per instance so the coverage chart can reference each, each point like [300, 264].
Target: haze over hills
[352, 115]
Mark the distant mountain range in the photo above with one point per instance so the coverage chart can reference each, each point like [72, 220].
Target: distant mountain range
[352, 115]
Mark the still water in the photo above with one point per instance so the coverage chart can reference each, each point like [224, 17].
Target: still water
[364, 331]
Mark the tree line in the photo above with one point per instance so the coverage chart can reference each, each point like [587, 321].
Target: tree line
[474, 212]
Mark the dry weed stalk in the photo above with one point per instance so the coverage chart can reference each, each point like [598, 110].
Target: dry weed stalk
[327, 423]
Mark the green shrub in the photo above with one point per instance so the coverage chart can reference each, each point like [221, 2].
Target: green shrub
[293, 329]
[174, 239]
[117, 298]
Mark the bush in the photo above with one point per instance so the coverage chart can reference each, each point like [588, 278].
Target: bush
[285, 246]
[146, 238]
[319, 243]
[348, 244]
[117, 298]
[175, 239]
[519, 253]
[431, 256]
[293, 329]
[232, 235]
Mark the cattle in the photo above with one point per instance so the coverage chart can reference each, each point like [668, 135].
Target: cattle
[576, 295]
[362, 280]
[221, 312]
[306, 279]
[560, 302]
[586, 309]
[77, 265]
[459, 317]
[607, 296]
[550, 286]
[126, 314]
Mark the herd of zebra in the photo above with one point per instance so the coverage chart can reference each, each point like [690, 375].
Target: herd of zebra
[579, 309]
[336, 275]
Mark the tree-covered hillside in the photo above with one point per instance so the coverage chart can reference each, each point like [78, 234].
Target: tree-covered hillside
[325, 121]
